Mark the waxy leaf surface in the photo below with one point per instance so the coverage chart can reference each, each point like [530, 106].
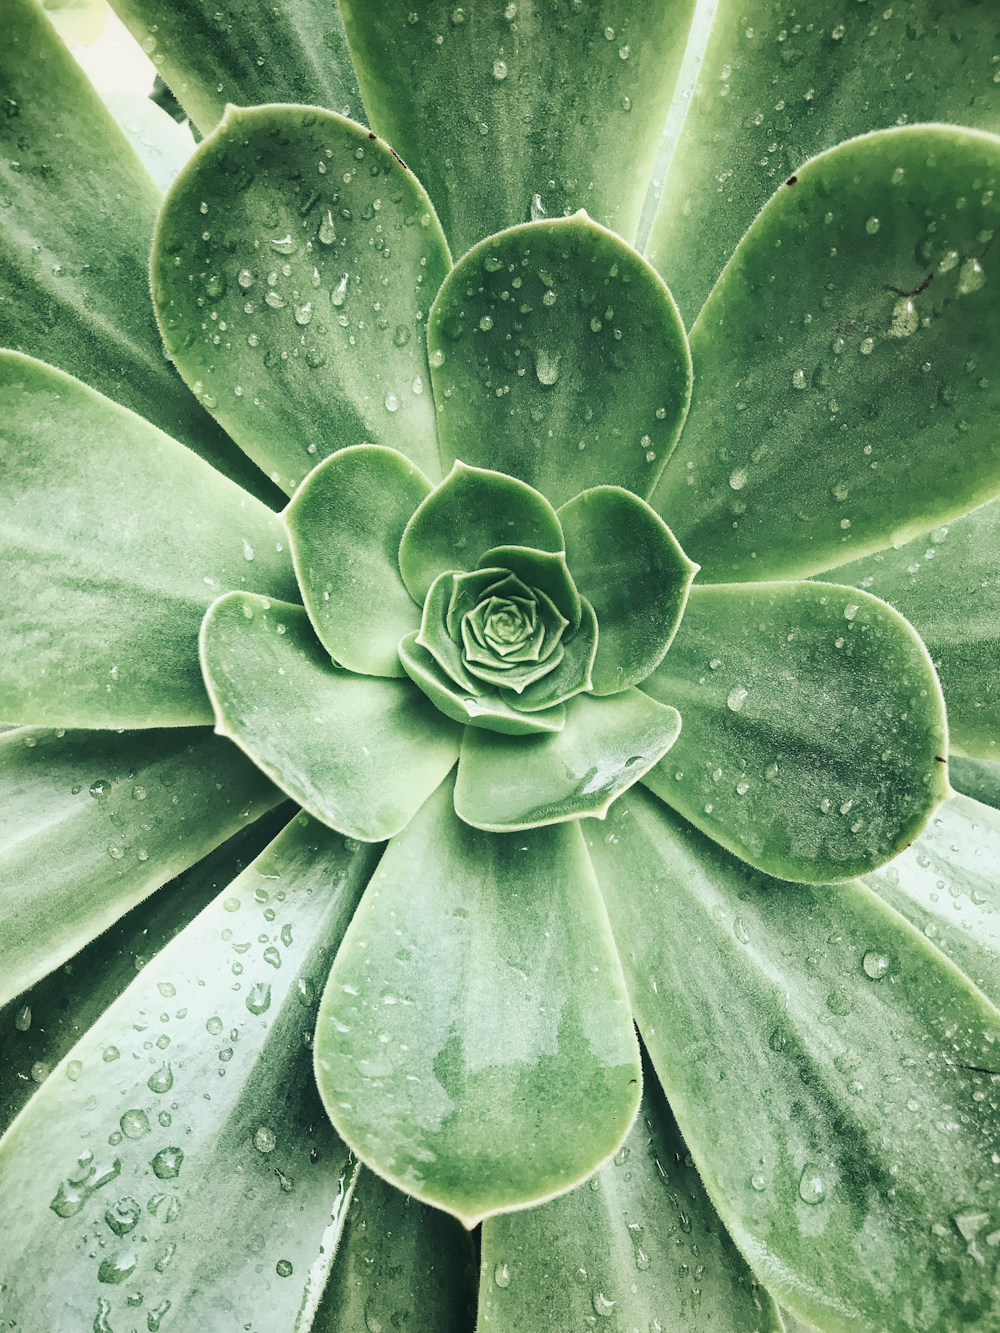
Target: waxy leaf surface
[188, 1115]
[557, 355]
[814, 741]
[836, 407]
[116, 541]
[474, 1046]
[523, 782]
[946, 584]
[640, 1241]
[484, 103]
[359, 752]
[262, 233]
[775, 1016]
[78, 215]
[345, 522]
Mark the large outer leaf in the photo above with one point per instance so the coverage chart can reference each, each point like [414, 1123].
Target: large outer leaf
[834, 409]
[235, 1176]
[519, 111]
[294, 263]
[945, 583]
[818, 1054]
[116, 540]
[93, 822]
[473, 1043]
[78, 210]
[640, 1241]
[814, 737]
[780, 83]
[255, 52]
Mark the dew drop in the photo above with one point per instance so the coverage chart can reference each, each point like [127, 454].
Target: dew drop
[391, 402]
[811, 1186]
[970, 277]
[303, 313]
[866, 347]
[259, 999]
[501, 1275]
[167, 1163]
[284, 246]
[499, 69]
[214, 1026]
[284, 1268]
[872, 226]
[547, 365]
[134, 1124]
[22, 1020]
[740, 931]
[401, 336]
[110, 1054]
[876, 964]
[758, 1182]
[162, 1080]
[736, 698]
[73, 1070]
[738, 479]
[264, 1140]
[118, 1268]
[602, 1305]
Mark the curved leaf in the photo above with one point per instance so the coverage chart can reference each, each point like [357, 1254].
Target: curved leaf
[862, 426]
[776, 87]
[472, 511]
[627, 563]
[544, 570]
[558, 356]
[322, 343]
[815, 740]
[161, 143]
[190, 1110]
[78, 213]
[945, 884]
[295, 53]
[361, 753]
[978, 778]
[526, 782]
[611, 1247]
[398, 1259]
[93, 822]
[815, 1050]
[945, 584]
[473, 1044]
[573, 675]
[116, 541]
[501, 90]
[488, 709]
[345, 524]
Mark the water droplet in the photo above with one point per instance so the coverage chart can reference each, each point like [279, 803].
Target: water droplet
[272, 956]
[40, 1071]
[740, 931]
[872, 226]
[736, 698]
[22, 1020]
[284, 246]
[110, 1054]
[626, 104]
[123, 1216]
[418, 385]
[119, 1268]
[602, 1305]
[264, 1139]
[970, 277]
[283, 1268]
[738, 479]
[905, 319]
[303, 313]
[247, 555]
[547, 365]
[245, 279]
[167, 1163]
[73, 1070]
[799, 379]
[402, 335]
[327, 230]
[274, 300]
[758, 1182]
[259, 999]
[155, 1315]
[742, 788]
[840, 1001]
[134, 1124]
[501, 1275]
[866, 347]
[510, 12]
[100, 788]
[499, 69]
[537, 208]
[167, 989]
[624, 52]
[875, 963]
[811, 1186]
[851, 611]
[162, 1080]
[437, 358]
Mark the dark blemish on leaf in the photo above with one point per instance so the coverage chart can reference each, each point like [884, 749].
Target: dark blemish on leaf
[373, 136]
[940, 759]
[791, 180]
[916, 291]
[978, 1069]
[398, 158]
[633, 1080]
[846, 327]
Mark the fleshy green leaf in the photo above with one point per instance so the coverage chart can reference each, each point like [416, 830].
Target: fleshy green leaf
[816, 1051]
[78, 213]
[978, 778]
[162, 144]
[612, 1248]
[345, 522]
[625, 560]
[574, 673]
[435, 635]
[814, 739]
[116, 541]
[296, 53]
[359, 752]
[774, 90]
[509, 783]
[945, 884]
[188, 1115]
[93, 822]
[397, 1257]
[558, 356]
[510, 113]
[544, 570]
[473, 1043]
[489, 709]
[472, 511]
[945, 584]
[262, 231]
[834, 369]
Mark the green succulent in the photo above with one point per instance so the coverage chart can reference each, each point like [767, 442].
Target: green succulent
[589, 631]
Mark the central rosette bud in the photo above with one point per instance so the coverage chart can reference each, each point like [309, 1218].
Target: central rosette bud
[511, 637]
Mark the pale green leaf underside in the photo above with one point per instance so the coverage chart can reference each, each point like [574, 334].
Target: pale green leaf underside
[259, 53]
[776, 1016]
[945, 885]
[93, 822]
[345, 523]
[776, 88]
[361, 753]
[508, 113]
[978, 778]
[474, 1046]
[837, 407]
[78, 212]
[116, 540]
[814, 739]
[522, 782]
[557, 355]
[945, 583]
[639, 1242]
[262, 231]
[204, 1053]
[162, 145]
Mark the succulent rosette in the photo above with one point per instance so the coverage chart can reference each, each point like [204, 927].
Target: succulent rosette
[586, 633]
